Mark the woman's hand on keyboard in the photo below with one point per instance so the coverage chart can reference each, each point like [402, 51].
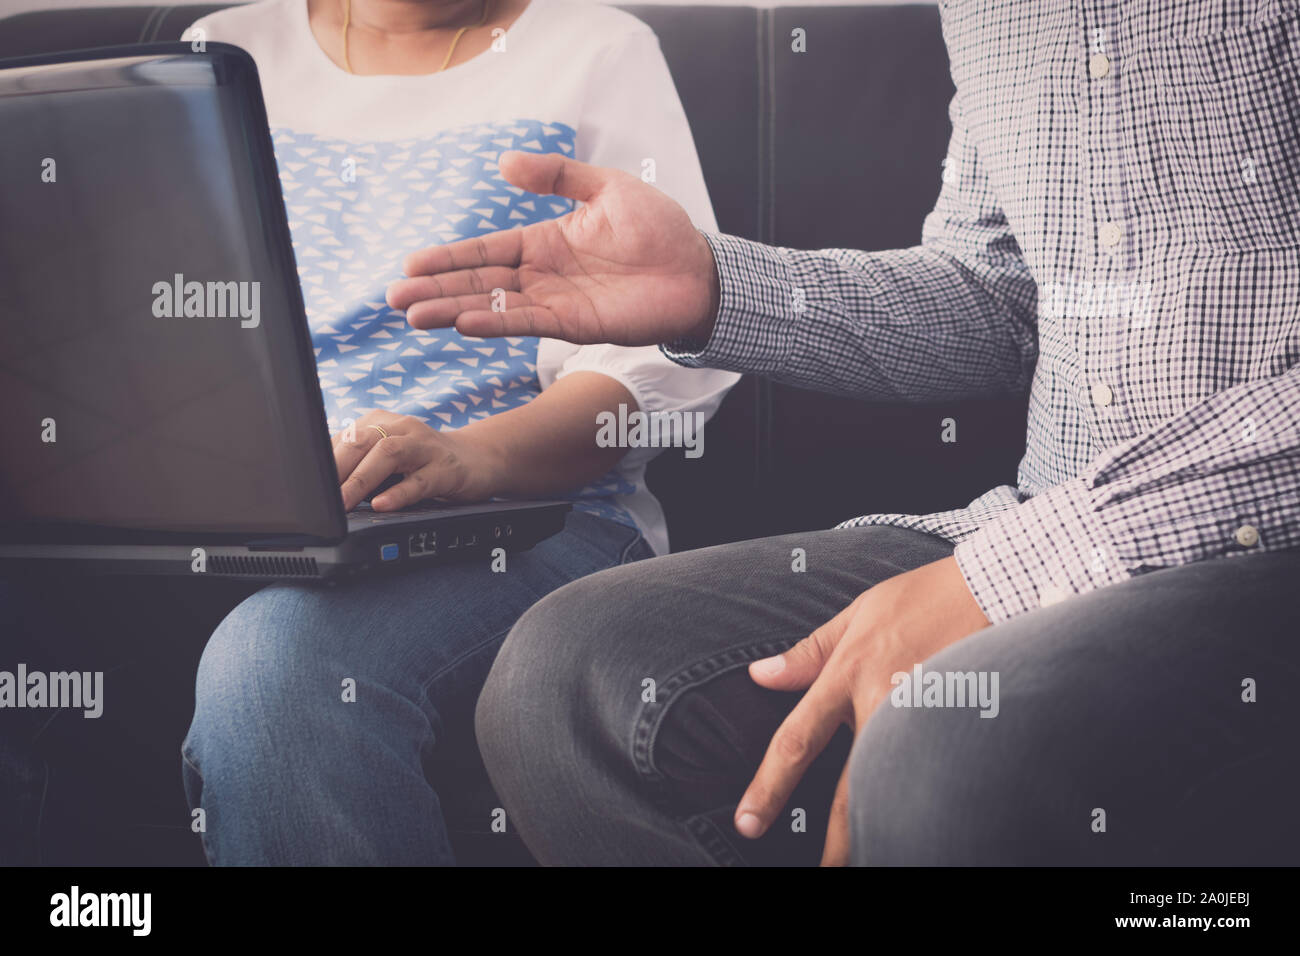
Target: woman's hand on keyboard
[445, 465]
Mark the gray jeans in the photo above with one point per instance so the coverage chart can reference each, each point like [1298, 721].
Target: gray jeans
[1126, 733]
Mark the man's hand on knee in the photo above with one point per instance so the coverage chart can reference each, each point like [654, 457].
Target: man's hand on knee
[846, 666]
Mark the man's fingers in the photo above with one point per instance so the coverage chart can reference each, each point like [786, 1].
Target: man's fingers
[798, 667]
[836, 850]
[404, 293]
[495, 249]
[442, 313]
[552, 174]
[522, 320]
[795, 745]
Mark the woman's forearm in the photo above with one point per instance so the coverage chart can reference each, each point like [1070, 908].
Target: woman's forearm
[549, 446]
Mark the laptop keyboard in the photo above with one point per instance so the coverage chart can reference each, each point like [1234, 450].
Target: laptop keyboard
[364, 512]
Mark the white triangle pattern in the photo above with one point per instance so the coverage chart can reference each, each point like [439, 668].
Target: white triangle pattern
[350, 236]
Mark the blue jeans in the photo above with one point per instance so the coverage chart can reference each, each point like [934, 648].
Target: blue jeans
[336, 725]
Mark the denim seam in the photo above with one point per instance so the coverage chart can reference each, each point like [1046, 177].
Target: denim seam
[710, 838]
[705, 833]
[498, 636]
[637, 538]
[187, 758]
[651, 715]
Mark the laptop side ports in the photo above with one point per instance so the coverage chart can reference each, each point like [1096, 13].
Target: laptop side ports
[422, 543]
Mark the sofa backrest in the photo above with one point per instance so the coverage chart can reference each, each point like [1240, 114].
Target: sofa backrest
[838, 146]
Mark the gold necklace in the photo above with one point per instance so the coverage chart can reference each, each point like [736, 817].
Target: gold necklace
[347, 21]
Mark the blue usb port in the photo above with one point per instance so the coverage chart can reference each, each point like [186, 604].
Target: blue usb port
[389, 552]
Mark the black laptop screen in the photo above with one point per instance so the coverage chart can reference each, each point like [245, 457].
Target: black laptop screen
[154, 367]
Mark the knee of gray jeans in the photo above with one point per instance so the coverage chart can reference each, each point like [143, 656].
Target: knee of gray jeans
[930, 787]
[496, 717]
[560, 706]
[888, 799]
[943, 786]
[538, 684]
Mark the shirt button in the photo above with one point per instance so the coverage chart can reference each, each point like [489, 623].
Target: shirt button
[1248, 536]
[1099, 65]
[1102, 394]
[1110, 234]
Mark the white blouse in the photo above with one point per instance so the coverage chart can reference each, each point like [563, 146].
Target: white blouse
[588, 80]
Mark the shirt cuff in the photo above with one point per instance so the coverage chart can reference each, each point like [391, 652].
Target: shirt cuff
[757, 309]
[1041, 552]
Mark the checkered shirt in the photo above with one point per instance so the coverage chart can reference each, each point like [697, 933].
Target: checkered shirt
[1118, 231]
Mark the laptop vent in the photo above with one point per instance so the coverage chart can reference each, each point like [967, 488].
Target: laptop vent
[263, 565]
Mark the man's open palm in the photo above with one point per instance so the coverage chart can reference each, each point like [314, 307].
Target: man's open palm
[626, 267]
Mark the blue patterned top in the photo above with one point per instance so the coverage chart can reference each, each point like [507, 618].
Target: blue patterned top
[356, 209]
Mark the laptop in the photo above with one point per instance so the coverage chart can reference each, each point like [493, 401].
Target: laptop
[137, 439]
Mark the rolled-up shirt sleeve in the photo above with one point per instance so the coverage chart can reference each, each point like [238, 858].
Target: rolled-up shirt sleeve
[1220, 479]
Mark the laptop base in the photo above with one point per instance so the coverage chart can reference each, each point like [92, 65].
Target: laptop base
[392, 542]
